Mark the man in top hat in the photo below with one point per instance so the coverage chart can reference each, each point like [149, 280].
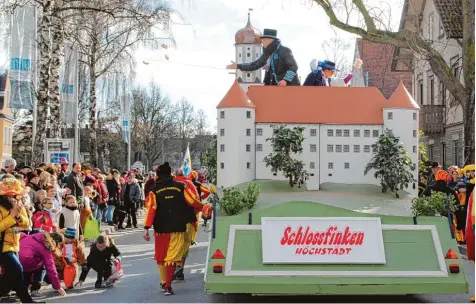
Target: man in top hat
[167, 205]
[281, 68]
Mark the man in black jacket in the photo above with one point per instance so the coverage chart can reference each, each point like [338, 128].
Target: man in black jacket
[281, 68]
[74, 182]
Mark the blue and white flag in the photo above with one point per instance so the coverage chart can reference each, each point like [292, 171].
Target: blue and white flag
[187, 162]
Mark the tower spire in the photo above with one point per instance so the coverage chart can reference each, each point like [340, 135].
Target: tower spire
[249, 16]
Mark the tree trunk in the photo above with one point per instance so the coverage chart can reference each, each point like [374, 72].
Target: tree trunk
[55, 64]
[42, 95]
[468, 130]
[93, 123]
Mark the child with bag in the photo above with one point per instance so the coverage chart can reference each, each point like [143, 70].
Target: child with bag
[101, 258]
[86, 211]
[72, 254]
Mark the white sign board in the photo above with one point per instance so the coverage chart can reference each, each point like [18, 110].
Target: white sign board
[322, 240]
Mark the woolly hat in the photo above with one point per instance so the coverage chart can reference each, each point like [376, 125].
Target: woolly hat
[164, 170]
[326, 64]
[31, 175]
[90, 179]
[64, 161]
[70, 233]
[441, 175]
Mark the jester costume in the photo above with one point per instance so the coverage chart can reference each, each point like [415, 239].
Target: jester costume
[167, 205]
[470, 240]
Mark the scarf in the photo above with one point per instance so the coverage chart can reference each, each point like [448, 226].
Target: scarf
[270, 49]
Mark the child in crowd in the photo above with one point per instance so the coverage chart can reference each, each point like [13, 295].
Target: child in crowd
[40, 196]
[69, 216]
[86, 211]
[57, 207]
[42, 219]
[72, 253]
[101, 260]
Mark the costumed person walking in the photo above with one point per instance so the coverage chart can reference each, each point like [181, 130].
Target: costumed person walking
[470, 238]
[281, 68]
[166, 206]
[322, 72]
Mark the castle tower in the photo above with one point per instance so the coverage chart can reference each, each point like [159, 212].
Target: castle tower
[235, 138]
[248, 49]
[401, 114]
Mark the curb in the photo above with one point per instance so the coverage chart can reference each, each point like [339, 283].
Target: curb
[462, 249]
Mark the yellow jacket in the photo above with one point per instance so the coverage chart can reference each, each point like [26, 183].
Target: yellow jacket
[11, 241]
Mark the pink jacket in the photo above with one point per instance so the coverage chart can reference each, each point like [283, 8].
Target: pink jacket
[37, 250]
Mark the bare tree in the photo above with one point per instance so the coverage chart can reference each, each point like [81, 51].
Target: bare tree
[185, 120]
[335, 50]
[369, 26]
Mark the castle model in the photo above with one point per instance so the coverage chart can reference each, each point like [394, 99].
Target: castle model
[341, 124]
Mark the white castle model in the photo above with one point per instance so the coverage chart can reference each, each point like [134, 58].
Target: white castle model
[341, 124]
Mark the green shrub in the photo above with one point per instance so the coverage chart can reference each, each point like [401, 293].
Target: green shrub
[232, 201]
[433, 205]
[250, 195]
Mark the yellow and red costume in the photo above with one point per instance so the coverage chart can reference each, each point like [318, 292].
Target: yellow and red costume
[166, 205]
[470, 237]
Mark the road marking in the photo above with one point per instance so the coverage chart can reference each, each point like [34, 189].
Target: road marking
[200, 270]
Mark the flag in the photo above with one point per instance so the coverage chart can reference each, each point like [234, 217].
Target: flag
[187, 162]
[22, 72]
[69, 85]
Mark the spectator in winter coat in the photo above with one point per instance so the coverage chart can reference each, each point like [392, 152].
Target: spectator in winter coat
[43, 218]
[38, 251]
[100, 259]
[149, 184]
[74, 181]
[113, 186]
[70, 216]
[130, 195]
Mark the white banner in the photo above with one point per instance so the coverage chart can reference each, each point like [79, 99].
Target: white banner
[23, 58]
[69, 85]
[322, 240]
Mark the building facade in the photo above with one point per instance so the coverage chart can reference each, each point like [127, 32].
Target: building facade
[6, 119]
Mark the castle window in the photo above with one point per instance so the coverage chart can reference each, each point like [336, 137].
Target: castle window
[259, 132]
[239, 55]
[222, 148]
[346, 133]
[330, 148]
[222, 132]
[248, 54]
[222, 165]
[367, 149]
[312, 165]
[346, 148]
[259, 147]
[389, 115]
[222, 114]
[374, 149]
[375, 133]
[248, 74]
[414, 149]
[356, 148]
[313, 148]
[356, 133]
[248, 114]
[248, 148]
[339, 148]
[313, 132]
[415, 133]
[346, 165]
[248, 165]
[330, 133]
[338, 133]
[248, 49]
[414, 116]
[248, 132]
[330, 166]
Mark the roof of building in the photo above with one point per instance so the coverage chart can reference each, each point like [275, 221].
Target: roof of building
[248, 34]
[235, 98]
[401, 98]
[318, 105]
[451, 16]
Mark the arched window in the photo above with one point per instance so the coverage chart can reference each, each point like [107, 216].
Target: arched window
[248, 54]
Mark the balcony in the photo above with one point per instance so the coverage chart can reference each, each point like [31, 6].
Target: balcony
[433, 119]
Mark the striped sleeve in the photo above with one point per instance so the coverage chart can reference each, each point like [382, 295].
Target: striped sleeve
[205, 191]
[151, 206]
[289, 76]
[192, 199]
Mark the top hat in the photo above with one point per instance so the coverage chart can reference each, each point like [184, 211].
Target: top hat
[270, 33]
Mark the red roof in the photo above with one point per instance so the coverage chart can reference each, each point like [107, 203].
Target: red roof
[317, 105]
[235, 98]
[401, 98]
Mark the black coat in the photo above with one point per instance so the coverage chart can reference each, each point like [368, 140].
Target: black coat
[315, 79]
[281, 57]
[74, 183]
[441, 186]
[99, 259]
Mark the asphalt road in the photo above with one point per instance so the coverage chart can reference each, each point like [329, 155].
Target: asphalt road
[140, 283]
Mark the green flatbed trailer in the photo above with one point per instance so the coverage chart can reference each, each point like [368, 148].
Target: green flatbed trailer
[414, 254]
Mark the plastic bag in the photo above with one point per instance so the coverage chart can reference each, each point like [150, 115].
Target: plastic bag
[116, 275]
[91, 229]
[207, 212]
[69, 275]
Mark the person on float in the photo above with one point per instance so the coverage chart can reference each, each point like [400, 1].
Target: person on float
[322, 73]
[166, 205]
[281, 68]
[192, 223]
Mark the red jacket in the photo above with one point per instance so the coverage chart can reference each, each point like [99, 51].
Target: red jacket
[42, 220]
[102, 192]
[190, 185]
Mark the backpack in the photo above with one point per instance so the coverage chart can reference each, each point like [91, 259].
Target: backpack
[207, 212]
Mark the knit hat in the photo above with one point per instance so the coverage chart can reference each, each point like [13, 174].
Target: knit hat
[441, 175]
[70, 233]
[31, 175]
[64, 161]
[164, 170]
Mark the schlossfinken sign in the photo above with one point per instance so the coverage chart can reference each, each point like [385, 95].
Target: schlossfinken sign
[322, 240]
